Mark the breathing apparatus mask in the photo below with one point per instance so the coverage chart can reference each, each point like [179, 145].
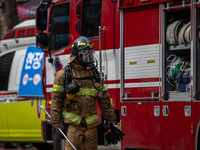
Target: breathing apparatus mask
[86, 57]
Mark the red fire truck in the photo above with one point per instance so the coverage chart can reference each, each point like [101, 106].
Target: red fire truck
[148, 54]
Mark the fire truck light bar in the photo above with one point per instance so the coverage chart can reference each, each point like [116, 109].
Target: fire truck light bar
[20, 33]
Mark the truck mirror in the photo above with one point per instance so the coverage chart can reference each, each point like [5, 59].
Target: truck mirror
[41, 18]
[45, 3]
[42, 40]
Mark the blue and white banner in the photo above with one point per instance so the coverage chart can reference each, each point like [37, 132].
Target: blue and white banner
[31, 75]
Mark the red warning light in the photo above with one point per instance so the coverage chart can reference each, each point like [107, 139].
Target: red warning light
[20, 33]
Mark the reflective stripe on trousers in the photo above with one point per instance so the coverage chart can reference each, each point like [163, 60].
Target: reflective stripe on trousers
[77, 119]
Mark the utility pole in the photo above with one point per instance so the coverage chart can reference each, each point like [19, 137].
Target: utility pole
[11, 13]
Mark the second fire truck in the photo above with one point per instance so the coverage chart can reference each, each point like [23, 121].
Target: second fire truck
[148, 54]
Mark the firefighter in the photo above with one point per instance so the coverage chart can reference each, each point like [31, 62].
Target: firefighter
[82, 85]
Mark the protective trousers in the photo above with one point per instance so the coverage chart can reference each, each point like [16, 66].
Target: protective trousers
[82, 138]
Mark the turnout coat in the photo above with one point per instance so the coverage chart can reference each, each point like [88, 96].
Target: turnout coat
[83, 107]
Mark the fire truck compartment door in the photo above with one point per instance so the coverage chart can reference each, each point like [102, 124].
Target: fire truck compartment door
[140, 105]
[177, 125]
[141, 54]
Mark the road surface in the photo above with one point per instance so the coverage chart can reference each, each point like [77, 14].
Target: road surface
[2, 148]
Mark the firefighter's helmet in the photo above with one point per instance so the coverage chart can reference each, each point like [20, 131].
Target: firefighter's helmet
[82, 43]
[83, 48]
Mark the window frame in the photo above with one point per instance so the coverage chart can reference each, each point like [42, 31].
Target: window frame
[5, 88]
[50, 29]
[82, 11]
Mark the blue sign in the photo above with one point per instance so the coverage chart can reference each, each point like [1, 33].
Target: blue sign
[31, 75]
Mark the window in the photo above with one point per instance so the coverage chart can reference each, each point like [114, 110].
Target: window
[5, 64]
[59, 27]
[91, 18]
[19, 69]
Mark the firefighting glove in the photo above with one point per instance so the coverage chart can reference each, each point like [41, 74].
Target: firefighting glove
[109, 135]
[117, 133]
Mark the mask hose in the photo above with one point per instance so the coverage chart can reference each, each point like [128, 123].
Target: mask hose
[97, 76]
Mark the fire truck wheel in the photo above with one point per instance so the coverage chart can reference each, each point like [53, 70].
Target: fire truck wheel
[58, 142]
